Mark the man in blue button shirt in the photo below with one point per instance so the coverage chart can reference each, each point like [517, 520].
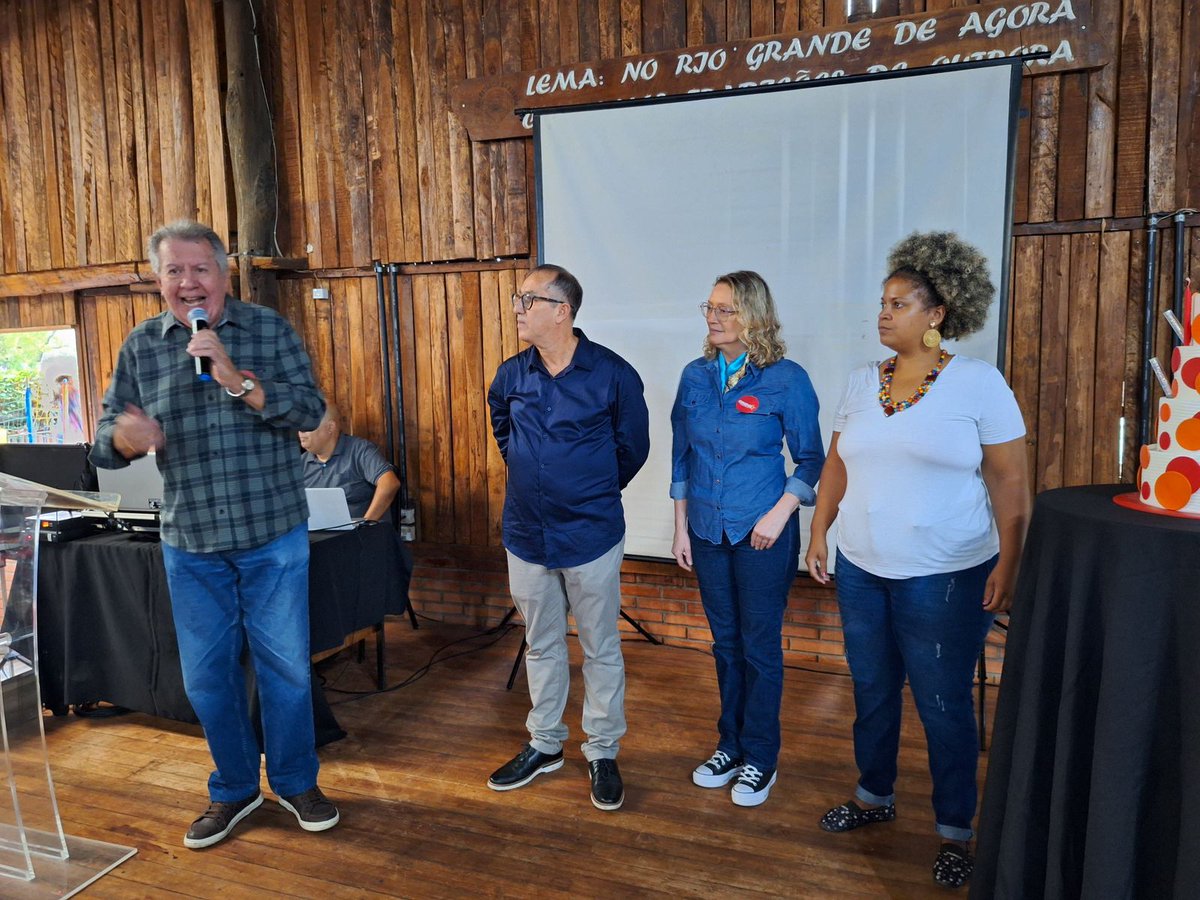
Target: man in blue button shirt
[571, 423]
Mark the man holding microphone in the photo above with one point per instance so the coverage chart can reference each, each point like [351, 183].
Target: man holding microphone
[234, 539]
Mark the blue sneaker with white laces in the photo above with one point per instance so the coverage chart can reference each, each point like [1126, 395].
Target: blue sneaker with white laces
[753, 785]
[720, 769]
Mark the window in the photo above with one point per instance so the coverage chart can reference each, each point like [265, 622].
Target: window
[39, 388]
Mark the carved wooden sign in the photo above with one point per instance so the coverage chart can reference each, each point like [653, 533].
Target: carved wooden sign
[1060, 28]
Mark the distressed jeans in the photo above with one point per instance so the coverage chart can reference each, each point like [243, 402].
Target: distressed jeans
[221, 601]
[930, 628]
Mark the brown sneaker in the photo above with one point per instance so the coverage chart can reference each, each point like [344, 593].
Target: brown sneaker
[218, 820]
[312, 809]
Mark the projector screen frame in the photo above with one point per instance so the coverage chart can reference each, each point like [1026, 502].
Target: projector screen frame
[1015, 65]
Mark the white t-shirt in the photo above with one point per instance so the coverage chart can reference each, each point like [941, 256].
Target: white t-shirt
[915, 501]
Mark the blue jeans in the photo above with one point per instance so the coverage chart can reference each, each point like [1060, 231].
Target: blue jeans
[931, 628]
[744, 592]
[220, 602]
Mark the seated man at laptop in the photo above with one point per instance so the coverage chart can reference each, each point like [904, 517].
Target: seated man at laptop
[333, 459]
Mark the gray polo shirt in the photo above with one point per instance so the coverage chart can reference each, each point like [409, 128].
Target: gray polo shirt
[355, 466]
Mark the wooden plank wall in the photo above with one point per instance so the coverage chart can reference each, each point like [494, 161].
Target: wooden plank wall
[456, 326]
[103, 319]
[44, 312]
[1076, 296]
[110, 124]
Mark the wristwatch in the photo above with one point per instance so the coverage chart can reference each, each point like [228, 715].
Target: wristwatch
[247, 386]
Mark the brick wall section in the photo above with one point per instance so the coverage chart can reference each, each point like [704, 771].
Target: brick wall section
[469, 586]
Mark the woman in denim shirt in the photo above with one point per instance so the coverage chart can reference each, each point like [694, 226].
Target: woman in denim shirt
[735, 515]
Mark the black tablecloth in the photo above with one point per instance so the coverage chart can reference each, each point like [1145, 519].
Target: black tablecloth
[105, 630]
[1093, 785]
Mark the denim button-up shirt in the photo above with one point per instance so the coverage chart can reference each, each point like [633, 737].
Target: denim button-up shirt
[725, 453]
[572, 442]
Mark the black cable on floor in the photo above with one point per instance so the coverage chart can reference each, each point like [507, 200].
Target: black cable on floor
[496, 634]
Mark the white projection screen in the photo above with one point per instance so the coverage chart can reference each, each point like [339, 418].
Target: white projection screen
[647, 203]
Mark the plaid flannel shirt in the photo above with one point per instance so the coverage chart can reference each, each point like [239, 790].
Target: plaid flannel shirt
[232, 476]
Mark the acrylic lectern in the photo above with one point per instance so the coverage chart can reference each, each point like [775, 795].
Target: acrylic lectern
[36, 858]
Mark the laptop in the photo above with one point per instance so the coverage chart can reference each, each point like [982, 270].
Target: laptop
[327, 510]
[140, 485]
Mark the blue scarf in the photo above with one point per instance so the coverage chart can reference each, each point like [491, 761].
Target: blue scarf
[731, 373]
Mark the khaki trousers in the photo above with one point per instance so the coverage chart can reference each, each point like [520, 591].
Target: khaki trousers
[592, 594]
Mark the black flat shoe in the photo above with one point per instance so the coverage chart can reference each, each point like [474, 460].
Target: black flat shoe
[523, 768]
[608, 791]
[850, 815]
[953, 866]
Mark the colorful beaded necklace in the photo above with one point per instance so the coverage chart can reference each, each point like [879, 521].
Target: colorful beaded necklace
[891, 407]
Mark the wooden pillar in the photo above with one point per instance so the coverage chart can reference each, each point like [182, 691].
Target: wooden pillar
[251, 147]
[858, 10]
[263, 286]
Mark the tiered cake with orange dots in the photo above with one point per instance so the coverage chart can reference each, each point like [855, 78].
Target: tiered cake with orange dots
[1169, 477]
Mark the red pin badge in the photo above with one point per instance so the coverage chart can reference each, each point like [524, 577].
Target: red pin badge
[747, 404]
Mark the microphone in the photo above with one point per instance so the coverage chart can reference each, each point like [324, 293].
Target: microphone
[199, 319]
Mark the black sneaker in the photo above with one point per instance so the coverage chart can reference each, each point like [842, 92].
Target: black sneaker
[523, 768]
[218, 820]
[753, 786]
[607, 790]
[312, 809]
[720, 769]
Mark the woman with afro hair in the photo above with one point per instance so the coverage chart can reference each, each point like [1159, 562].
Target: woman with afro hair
[926, 476]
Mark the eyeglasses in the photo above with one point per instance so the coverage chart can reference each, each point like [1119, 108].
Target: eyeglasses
[527, 300]
[721, 312]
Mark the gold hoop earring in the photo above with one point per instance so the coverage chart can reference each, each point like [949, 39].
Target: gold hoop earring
[931, 338]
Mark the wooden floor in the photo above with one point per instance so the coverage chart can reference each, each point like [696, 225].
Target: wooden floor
[419, 821]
